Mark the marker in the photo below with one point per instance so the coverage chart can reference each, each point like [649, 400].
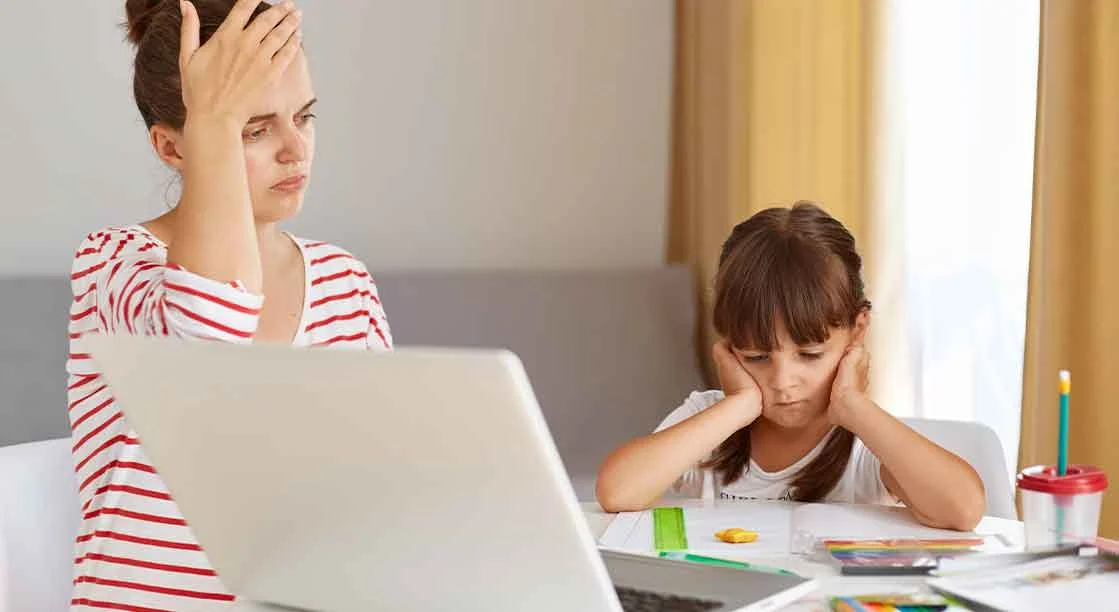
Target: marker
[682, 556]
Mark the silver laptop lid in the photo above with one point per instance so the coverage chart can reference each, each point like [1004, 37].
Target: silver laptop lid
[423, 479]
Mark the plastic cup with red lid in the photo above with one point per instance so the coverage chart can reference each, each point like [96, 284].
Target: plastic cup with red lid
[1061, 510]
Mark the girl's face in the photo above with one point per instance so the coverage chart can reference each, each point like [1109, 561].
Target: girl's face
[796, 380]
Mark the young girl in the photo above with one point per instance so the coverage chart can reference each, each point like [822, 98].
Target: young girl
[226, 94]
[792, 420]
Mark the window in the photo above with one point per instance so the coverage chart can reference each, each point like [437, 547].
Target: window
[962, 89]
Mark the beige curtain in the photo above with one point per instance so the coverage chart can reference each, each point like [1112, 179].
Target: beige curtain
[1073, 317]
[773, 105]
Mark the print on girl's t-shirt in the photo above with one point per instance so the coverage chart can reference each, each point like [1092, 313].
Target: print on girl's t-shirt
[786, 496]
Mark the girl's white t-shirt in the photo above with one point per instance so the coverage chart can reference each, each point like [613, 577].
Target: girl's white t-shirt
[861, 482]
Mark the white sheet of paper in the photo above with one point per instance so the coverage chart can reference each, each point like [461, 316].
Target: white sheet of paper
[863, 522]
[776, 524]
[633, 531]
[770, 520]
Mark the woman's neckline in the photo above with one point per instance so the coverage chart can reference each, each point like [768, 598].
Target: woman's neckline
[301, 332]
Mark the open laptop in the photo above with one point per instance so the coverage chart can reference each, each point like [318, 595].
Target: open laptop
[423, 479]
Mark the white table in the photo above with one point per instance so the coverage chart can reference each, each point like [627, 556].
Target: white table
[831, 583]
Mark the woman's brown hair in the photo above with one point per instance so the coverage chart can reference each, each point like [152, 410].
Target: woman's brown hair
[798, 266]
[155, 26]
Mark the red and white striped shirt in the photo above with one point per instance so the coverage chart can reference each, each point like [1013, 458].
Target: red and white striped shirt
[134, 551]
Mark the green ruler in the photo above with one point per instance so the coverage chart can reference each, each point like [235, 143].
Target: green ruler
[669, 533]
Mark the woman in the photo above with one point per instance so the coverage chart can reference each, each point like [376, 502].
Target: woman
[226, 93]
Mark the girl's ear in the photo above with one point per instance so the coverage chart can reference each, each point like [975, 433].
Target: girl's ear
[862, 324]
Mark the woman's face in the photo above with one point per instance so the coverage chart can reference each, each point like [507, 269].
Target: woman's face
[279, 144]
[796, 380]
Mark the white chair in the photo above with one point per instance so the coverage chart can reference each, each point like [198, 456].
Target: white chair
[39, 518]
[978, 445]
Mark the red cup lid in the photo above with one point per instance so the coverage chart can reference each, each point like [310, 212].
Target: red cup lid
[1078, 479]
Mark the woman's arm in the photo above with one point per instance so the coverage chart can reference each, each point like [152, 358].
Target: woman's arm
[941, 489]
[636, 474]
[215, 232]
[123, 285]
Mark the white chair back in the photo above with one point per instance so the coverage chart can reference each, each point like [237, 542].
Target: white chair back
[39, 518]
[979, 445]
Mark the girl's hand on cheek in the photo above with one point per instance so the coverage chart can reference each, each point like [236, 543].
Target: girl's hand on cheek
[850, 384]
[737, 384]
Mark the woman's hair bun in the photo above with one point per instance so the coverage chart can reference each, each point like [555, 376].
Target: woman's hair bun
[139, 15]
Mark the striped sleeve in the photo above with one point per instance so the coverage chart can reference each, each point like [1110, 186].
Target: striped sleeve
[379, 337]
[126, 285]
[345, 309]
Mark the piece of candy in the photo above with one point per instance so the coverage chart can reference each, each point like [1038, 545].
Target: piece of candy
[736, 535]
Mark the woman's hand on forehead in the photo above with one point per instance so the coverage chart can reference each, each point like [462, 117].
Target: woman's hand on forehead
[225, 77]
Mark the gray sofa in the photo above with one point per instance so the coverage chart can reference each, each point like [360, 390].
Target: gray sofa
[609, 353]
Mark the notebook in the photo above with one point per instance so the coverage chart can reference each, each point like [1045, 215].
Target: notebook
[783, 528]
[1055, 583]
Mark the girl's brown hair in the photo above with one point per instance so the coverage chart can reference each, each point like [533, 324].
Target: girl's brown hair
[155, 26]
[798, 266]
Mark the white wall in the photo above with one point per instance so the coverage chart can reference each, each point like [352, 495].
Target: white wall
[452, 133]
